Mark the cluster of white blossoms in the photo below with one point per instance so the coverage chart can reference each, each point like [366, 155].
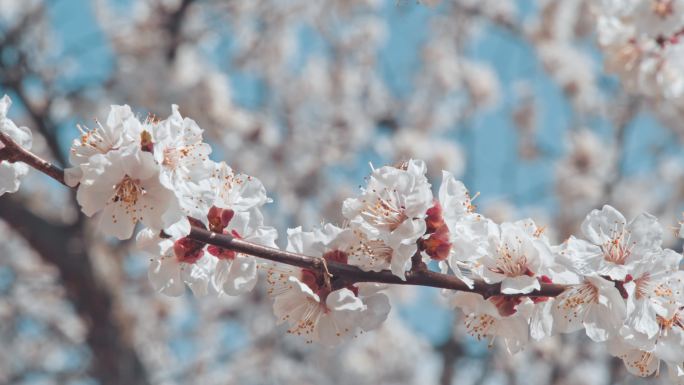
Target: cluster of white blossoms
[158, 173]
[642, 40]
[12, 173]
[622, 287]
[618, 284]
[312, 305]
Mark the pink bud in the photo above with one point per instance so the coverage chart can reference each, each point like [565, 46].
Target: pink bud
[219, 218]
[188, 250]
[336, 256]
[434, 219]
[221, 253]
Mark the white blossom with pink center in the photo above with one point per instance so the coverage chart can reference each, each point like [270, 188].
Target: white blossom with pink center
[179, 149]
[121, 129]
[175, 264]
[655, 291]
[306, 300]
[594, 304]
[642, 358]
[226, 189]
[124, 187]
[514, 257]
[236, 273]
[392, 208]
[613, 246]
[642, 42]
[507, 318]
[231, 207]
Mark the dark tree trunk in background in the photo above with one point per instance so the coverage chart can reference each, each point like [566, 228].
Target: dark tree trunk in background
[114, 360]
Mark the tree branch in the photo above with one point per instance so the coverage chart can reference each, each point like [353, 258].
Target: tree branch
[622, 124]
[12, 152]
[340, 272]
[13, 75]
[353, 274]
[451, 351]
[174, 25]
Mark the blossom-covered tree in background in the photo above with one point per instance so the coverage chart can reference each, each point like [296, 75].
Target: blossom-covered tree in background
[208, 185]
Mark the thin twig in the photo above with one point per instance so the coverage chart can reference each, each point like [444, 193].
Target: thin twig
[12, 152]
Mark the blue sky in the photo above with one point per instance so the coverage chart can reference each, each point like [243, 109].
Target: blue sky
[494, 169]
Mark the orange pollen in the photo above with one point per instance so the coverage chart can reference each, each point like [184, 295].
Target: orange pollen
[574, 302]
[479, 325]
[670, 323]
[470, 207]
[171, 157]
[618, 249]
[93, 138]
[374, 249]
[386, 212]
[128, 191]
[510, 264]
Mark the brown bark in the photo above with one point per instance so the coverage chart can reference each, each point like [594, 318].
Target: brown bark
[351, 274]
